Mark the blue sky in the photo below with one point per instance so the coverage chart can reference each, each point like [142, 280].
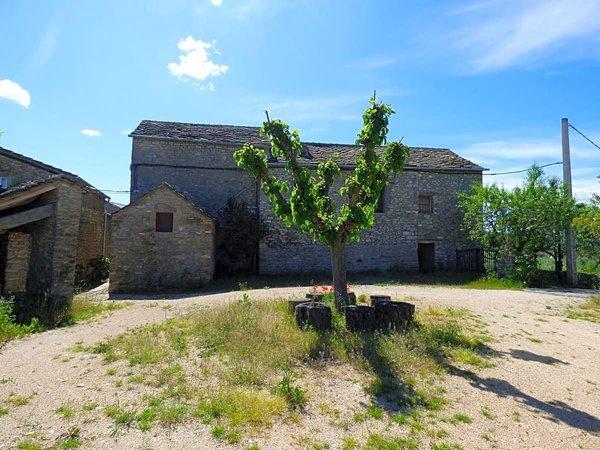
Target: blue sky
[489, 79]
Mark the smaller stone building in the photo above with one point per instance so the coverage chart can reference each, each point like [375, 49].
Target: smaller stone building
[161, 241]
[52, 223]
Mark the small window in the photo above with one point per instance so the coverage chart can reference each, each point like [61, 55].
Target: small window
[381, 203]
[425, 203]
[3, 182]
[164, 222]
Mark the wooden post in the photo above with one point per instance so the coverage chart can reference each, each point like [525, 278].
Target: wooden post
[570, 237]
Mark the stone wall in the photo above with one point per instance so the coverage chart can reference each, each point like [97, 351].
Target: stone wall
[392, 243]
[19, 172]
[146, 260]
[17, 262]
[90, 239]
[206, 174]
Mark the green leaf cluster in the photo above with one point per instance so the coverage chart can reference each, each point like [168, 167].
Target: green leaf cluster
[302, 197]
[525, 222]
[587, 229]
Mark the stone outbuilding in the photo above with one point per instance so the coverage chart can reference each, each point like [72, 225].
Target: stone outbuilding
[52, 223]
[161, 241]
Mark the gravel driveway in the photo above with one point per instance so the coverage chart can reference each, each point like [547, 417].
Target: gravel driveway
[544, 390]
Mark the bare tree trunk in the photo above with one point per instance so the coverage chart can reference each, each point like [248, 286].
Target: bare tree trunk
[558, 264]
[338, 268]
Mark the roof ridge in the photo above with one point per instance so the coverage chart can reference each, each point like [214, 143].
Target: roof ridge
[233, 135]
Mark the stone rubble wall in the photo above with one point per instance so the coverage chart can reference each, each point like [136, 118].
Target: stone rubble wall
[207, 174]
[17, 262]
[144, 260]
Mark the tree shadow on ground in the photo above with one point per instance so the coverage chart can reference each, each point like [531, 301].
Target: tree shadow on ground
[394, 394]
[525, 355]
[555, 410]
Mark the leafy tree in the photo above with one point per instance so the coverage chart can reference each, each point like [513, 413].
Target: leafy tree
[525, 222]
[587, 229]
[302, 198]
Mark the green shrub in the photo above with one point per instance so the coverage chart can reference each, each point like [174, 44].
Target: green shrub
[9, 328]
[99, 269]
[293, 395]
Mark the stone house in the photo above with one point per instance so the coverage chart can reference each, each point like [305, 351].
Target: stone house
[161, 241]
[417, 222]
[52, 223]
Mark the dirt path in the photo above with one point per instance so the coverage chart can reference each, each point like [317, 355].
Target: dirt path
[544, 390]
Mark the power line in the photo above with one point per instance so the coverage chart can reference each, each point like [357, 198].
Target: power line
[114, 192]
[585, 137]
[522, 170]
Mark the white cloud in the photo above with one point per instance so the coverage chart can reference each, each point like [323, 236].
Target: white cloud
[217, 2]
[12, 91]
[47, 44]
[89, 132]
[195, 62]
[498, 35]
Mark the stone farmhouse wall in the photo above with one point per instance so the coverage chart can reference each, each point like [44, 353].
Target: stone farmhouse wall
[393, 242]
[206, 174]
[143, 259]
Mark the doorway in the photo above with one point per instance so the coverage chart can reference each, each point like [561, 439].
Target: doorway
[426, 257]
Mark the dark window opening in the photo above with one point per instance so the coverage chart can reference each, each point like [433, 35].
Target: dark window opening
[381, 202]
[425, 203]
[164, 222]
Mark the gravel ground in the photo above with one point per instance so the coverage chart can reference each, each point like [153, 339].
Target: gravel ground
[543, 392]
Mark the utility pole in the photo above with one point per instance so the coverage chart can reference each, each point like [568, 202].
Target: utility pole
[566, 154]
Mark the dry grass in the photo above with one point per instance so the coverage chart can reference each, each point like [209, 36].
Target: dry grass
[234, 367]
[84, 308]
[589, 310]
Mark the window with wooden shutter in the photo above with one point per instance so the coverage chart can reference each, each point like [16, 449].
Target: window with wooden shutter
[164, 222]
[425, 204]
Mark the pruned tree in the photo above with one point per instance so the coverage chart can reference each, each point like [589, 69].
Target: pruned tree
[303, 199]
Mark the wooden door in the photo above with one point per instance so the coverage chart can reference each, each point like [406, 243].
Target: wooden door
[426, 257]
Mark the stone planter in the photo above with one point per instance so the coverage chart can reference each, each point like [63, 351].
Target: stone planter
[317, 315]
[298, 301]
[351, 298]
[380, 298]
[360, 317]
[315, 297]
[393, 315]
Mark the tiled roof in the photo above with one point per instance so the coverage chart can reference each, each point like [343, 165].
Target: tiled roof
[29, 184]
[47, 167]
[419, 158]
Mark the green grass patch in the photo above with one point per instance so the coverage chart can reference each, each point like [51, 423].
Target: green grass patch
[9, 328]
[84, 308]
[589, 310]
[235, 367]
[65, 411]
[494, 284]
[379, 442]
